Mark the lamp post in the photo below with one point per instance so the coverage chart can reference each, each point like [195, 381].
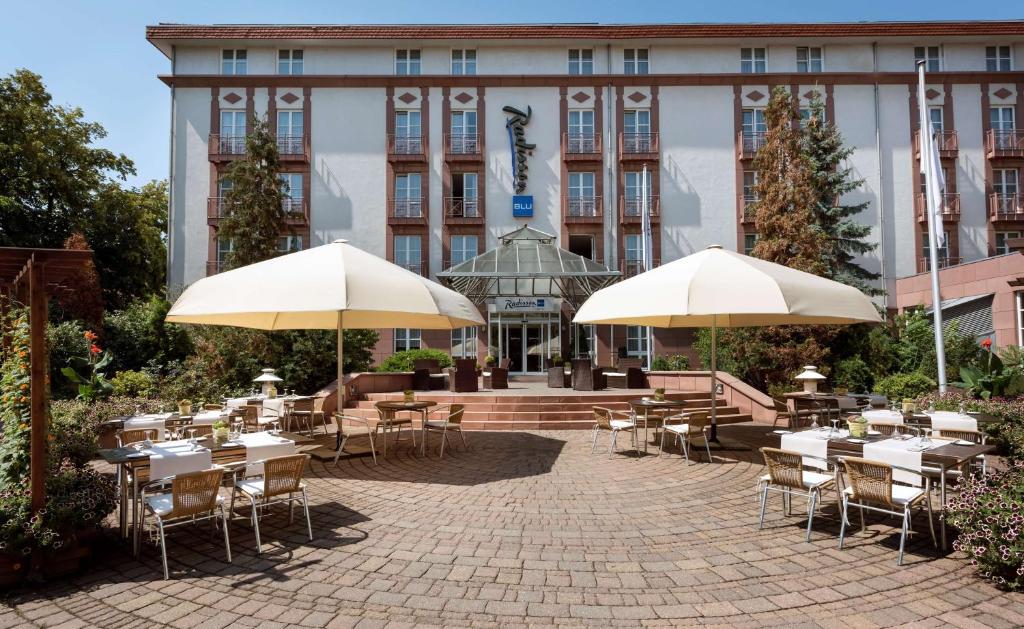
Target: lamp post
[267, 382]
[810, 378]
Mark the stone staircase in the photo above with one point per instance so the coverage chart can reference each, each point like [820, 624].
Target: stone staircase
[556, 410]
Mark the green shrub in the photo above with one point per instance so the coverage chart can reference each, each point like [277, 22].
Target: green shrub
[138, 336]
[900, 386]
[64, 340]
[403, 361]
[671, 363]
[854, 374]
[133, 384]
[1007, 434]
[77, 424]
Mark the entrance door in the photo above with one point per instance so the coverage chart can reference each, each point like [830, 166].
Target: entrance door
[534, 358]
[514, 347]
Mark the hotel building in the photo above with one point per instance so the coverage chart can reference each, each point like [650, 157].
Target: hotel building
[403, 140]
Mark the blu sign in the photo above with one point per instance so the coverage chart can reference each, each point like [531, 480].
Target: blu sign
[522, 205]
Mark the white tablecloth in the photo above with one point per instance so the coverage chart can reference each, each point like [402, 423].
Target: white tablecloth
[883, 417]
[902, 453]
[260, 446]
[273, 407]
[208, 418]
[236, 402]
[813, 443]
[151, 421]
[171, 458]
[948, 420]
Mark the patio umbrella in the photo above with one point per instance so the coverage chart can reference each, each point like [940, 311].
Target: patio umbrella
[718, 288]
[334, 286]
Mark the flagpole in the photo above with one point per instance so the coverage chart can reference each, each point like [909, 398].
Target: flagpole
[928, 168]
[645, 242]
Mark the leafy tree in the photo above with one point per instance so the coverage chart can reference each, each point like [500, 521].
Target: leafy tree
[823, 145]
[256, 217]
[140, 338]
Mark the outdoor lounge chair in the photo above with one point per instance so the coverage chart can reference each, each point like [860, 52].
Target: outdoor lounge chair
[585, 377]
[462, 377]
[306, 412]
[784, 413]
[497, 377]
[786, 475]
[281, 483]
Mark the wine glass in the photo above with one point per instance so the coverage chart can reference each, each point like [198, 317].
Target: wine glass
[896, 432]
[835, 428]
[814, 422]
[192, 438]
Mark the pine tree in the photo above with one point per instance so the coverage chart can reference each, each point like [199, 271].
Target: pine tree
[822, 143]
[787, 232]
[256, 218]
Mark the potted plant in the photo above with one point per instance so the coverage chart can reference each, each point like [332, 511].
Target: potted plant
[184, 407]
[858, 427]
[490, 361]
[409, 395]
[659, 394]
[220, 431]
[556, 372]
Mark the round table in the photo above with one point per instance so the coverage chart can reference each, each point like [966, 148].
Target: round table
[396, 406]
[647, 404]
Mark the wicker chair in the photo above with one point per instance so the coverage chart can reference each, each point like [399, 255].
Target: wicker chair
[132, 436]
[786, 475]
[307, 412]
[213, 407]
[980, 463]
[613, 422]
[685, 427]
[462, 377]
[193, 496]
[358, 427]
[281, 481]
[497, 377]
[871, 486]
[254, 421]
[782, 411]
[586, 377]
[200, 430]
[452, 422]
[177, 426]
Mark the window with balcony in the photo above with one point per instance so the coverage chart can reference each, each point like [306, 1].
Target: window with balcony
[289, 131]
[1002, 241]
[633, 193]
[581, 131]
[942, 252]
[232, 132]
[464, 343]
[408, 194]
[636, 131]
[636, 341]
[408, 253]
[291, 187]
[224, 185]
[635, 60]
[754, 129]
[633, 256]
[407, 338]
[464, 62]
[464, 196]
[408, 133]
[582, 201]
[749, 194]
[809, 59]
[463, 247]
[805, 116]
[998, 58]
[931, 55]
[289, 244]
[753, 60]
[749, 242]
[225, 247]
[1001, 118]
[234, 62]
[936, 117]
[581, 61]
[407, 62]
[289, 62]
[463, 139]
[1005, 191]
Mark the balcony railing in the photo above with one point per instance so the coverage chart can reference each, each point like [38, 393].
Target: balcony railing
[227, 144]
[214, 267]
[405, 146]
[638, 145]
[296, 210]
[1004, 143]
[581, 145]
[750, 142]
[416, 267]
[583, 209]
[950, 207]
[462, 144]
[411, 208]
[462, 207]
[948, 143]
[1006, 207]
[291, 145]
[630, 267]
[924, 263]
[216, 207]
[632, 207]
[749, 211]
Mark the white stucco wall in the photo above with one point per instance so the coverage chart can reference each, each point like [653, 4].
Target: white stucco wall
[970, 172]
[190, 233]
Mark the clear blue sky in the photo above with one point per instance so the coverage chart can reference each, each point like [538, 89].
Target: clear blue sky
[93, 54]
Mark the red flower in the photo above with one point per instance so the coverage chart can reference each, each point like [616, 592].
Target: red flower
[94, 348]
[90, 335]
[987, 343]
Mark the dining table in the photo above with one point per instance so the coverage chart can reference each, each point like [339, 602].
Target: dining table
[141, 459]
[397, 406]
[646, 404]
[944, 457]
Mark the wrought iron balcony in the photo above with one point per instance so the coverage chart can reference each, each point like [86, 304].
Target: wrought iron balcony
[462, 210]
[407, 210]
[924, 263]
[416, 267]
[583, 209]
[462, 146]
[948, 143]
[631, 208]
[292, 147]
[748, 211]
[639, 146]
[1006, 207]
[296, 210]
[950, 207]
[631, 267]
[749, 143]
[1004, 143]
[226, 146]
[581, 146]
[406, 147]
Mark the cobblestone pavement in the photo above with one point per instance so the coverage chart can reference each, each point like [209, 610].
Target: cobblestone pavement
[530, 529]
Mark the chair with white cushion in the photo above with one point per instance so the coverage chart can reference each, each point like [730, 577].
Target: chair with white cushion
[871, 487]
[686, 427]
[787, 474]
[453, 422]
[281, 483]
[193, 496]
[614, 422]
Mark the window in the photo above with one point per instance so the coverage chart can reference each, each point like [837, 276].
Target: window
[581, 61]
[289, 62]
[943, 251]
[408, 193]
[753, 60]
[633, 255]
[635, 60]
[749, 193]
[636, 340]
[289, 244]
[931, 55]
[935, 115]
[1001, 118]
[463, 139]
[581, 131]
[408, 139]
[634, 191]
[808, 59]
[289, 132]
[464, 195]
[292, 189]
[224, 185]
[233, 62]
[232, 132]
[749, 242]
[1002, 244]
[408, 253]
[406, 339]
[463, 62]
[407, 62]
[225, 247]
[464, 343]
[464, 247]
[754, 129]
[997, 58]
[582, 245]
[581, 195]
[1004, 189]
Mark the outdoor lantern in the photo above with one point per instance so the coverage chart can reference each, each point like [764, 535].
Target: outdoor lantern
[267, 382]
[810, 377]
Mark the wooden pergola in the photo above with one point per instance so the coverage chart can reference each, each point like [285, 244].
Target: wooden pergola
[31, 276]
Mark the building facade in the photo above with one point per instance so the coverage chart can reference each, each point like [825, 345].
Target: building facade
[426, 144]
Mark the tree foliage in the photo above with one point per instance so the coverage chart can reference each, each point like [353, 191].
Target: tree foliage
[256, 218]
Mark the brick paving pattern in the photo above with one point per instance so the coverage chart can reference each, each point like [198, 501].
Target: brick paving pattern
[530, 529]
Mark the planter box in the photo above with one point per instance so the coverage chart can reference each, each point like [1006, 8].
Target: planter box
[557, 378]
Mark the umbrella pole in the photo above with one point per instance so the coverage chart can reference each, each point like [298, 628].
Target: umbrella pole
[341, 354]
[714, 378]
